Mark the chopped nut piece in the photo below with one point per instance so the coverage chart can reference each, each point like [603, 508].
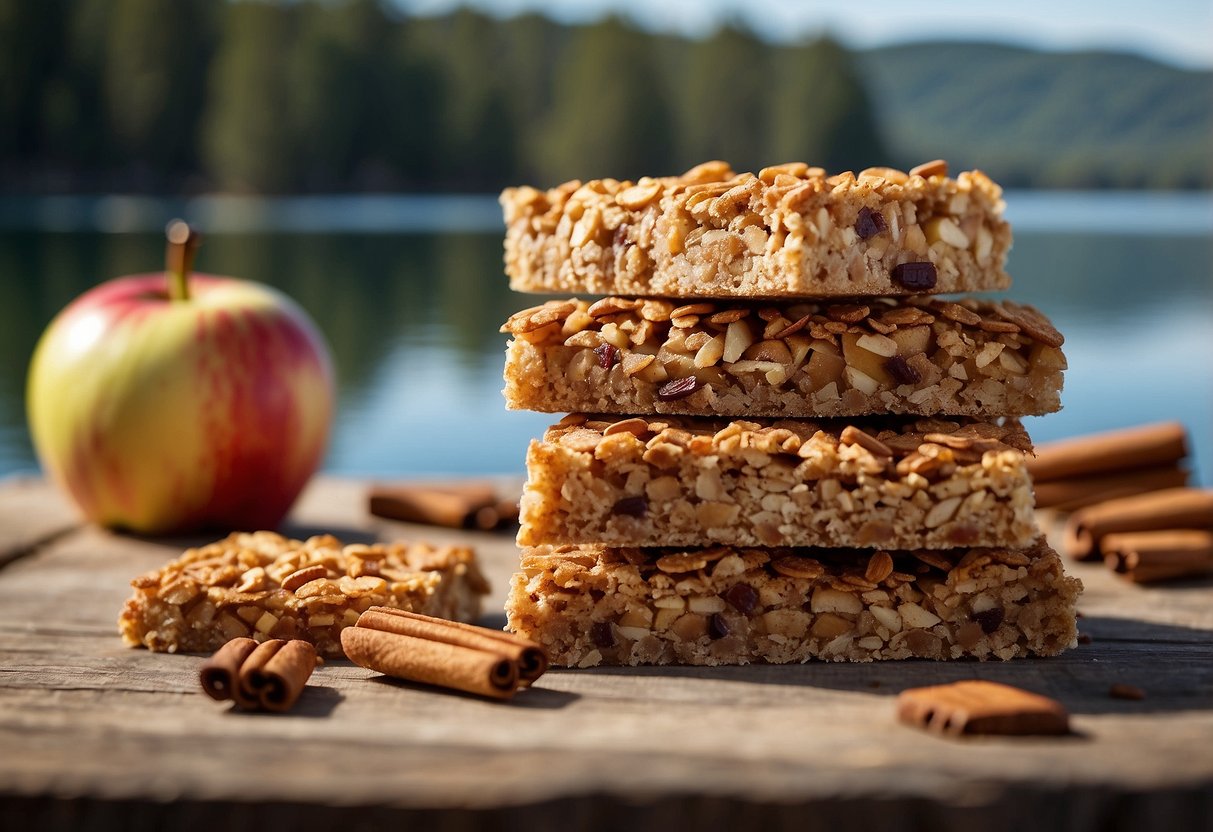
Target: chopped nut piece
[880, 566]
[935, 167]
[298, 579]
[639, 195]
[1030, 321]
[852, 435]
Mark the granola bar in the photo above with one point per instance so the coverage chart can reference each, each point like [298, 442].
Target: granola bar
[790, 231]
[266, 586]
[921, 356]
[684, 481]
[591, 605]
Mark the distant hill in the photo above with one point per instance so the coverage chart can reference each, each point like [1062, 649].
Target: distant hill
[1077, 119]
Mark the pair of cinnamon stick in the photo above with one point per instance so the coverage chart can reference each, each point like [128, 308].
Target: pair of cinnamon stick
[1074, 473]
[268, 676]
[471, 505]
[1150, 537]
[448, 654]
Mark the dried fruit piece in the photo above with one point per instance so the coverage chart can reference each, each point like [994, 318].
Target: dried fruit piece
[602, 635]
[1120, 690]
[607, 354]
[901, 371]
[990, 620]
[631, 507]
[915, 276]
[869, 223]
[678, 388]
[718, 627]
[743, 598]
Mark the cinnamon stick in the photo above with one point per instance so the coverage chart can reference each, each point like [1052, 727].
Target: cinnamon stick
[1077, 492]
[1147, 446]
[220, 674]
[1172, 508]
[437, 652]
[462, 505]
[268, 676]
[531, 660]
[1146, 557]
[278, 683]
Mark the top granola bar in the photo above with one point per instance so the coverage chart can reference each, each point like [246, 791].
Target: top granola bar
[790, 231]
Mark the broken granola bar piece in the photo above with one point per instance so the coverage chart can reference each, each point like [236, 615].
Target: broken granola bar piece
[265, 586]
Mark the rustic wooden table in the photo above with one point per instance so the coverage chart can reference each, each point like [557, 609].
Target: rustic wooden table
[96, 735]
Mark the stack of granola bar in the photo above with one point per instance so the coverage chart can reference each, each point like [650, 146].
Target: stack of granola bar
[810, 455]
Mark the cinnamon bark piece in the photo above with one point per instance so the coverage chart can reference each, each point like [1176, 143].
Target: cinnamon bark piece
[464, 505]
[721, 605]
[1146, 557]
[268, 676]
[684, 481]
[789, 231]
[265, 586]
[1073, 493]
[919, 356]
[276, 684]
[431, 651]
[1148, 446]
[979, 707]
[531, 660]
[1172, 508]
[220, 674]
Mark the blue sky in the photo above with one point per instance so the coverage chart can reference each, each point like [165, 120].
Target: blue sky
[1175, 31]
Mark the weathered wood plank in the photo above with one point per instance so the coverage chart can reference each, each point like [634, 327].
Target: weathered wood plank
[31, 513]
[113, 726]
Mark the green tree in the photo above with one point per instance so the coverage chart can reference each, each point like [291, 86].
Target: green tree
[335, 68]
[32, 46]
[723, 102]
[609, 117]
[476, 136]
[249, 135]
[155, 56]
[531, 48]
[821, 113]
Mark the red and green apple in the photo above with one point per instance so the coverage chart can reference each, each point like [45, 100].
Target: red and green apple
[173, 402]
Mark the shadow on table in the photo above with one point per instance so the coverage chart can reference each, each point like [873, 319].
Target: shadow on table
[1172, 665]
[315, 702]
[535, 698]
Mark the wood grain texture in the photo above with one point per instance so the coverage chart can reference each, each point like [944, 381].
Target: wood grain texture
[110, 736]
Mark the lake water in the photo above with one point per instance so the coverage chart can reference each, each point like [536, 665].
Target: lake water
[410, 293]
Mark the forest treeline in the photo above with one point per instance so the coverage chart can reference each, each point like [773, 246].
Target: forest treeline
[195, 95]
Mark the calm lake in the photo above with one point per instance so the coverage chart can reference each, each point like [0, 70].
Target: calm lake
[410, 293]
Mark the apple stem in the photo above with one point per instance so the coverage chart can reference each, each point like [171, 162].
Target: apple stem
[183, 243]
